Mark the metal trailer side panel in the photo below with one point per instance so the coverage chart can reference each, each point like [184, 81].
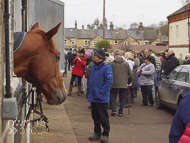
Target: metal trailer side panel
[48, 13]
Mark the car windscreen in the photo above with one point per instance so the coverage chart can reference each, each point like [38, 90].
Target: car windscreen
[183, 75]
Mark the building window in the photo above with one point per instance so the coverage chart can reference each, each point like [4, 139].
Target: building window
[133, 43]
[116, 42]
[170, 33]
[109, 41]
[94, 42]
[155, 43]
[86, 43]
[177, 32]
[146, 42]
[72, 41]
[125, 43]
[65, 41]
[139, 42]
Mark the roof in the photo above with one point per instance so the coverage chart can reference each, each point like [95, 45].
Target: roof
[164, 38]
[183, 9]
[141, 47]
[119, 34]
[86, 34]
[70, 32]
[136, 34]
[108, 33]
[149, 34]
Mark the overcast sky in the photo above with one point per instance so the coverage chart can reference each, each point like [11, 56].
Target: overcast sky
[121, 12]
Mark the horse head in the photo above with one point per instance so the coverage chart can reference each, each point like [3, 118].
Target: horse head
[37, 61]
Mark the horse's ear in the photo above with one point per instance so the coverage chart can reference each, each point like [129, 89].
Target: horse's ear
[35, 26]
[52, 32]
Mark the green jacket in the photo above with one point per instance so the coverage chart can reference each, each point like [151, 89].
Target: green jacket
[153, 61]
[138, 62]
[122, 74]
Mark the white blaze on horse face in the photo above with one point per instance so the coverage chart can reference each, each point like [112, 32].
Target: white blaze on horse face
[65, 88]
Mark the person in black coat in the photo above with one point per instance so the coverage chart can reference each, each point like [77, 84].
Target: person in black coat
[74, 54]
[169, 63]
[69, 54]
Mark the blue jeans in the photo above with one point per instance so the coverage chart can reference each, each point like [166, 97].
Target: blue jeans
[132, 93]
[138, 84]
[156, 77]
[76, 81]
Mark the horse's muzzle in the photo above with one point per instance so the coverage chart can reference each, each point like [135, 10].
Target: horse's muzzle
[57, 98]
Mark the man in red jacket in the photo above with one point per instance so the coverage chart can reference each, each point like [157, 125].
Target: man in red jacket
[79, 63]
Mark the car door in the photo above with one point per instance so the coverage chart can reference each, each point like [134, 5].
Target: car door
[166, 85]
[177, 87]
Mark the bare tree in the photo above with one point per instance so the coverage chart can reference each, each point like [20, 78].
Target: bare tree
[134, 25]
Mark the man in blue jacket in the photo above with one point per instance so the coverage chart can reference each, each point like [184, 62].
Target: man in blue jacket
[98, 93]
[181, 119]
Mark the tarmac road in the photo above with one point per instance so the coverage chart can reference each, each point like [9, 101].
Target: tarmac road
[143, 125]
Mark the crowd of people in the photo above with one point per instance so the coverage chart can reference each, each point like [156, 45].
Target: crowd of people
[109, 75]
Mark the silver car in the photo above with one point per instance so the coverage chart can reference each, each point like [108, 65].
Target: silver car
[170, 91]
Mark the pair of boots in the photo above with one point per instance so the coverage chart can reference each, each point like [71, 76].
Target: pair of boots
[71, 88]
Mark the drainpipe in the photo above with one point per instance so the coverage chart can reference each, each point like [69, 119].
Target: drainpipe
[7, 47]
[24, 15]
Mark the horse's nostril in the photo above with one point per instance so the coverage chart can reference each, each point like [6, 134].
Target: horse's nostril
[58, 98]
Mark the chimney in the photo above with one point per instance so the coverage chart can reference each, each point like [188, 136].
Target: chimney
[141, 26]
[75, 24]
[111, 26]
[160, 34]
[82, 27]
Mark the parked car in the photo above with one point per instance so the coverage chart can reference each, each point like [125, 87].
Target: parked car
[170, 91]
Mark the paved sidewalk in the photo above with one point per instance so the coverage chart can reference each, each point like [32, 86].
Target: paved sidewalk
[60, 127]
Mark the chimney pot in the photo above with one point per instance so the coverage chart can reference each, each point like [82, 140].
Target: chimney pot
[75, 24]
[82, 27]
[111, 26]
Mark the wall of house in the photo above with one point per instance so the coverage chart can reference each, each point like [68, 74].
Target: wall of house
[182, 33]
[180, 51]
[97, 39]
[80, 42]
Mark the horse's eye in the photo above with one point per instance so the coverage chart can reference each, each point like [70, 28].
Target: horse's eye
[57, 58]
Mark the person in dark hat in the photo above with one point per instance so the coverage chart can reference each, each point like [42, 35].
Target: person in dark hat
[69, 54]
[78, 71]
[98, 93]
[146, 80]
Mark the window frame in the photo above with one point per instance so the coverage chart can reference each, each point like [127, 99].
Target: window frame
[65, 43]
[125, 43]
[94, 42]
[139, 42]
[146, 42]
[72, 40]
[116, 43]
[85, 42]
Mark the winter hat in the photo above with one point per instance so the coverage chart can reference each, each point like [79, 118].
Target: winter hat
[82, 51]
[148, 58]
[75, 50]
[88, 53]
[100, 54]
[119, 53]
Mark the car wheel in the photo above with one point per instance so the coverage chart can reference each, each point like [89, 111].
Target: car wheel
[158, 103]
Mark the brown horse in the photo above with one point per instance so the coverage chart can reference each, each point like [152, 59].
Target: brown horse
[37, 61]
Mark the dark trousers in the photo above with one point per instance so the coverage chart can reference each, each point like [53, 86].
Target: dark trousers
[122, 98]
[147, 91]
[73, 79]
[100, 117]
[69, 64]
